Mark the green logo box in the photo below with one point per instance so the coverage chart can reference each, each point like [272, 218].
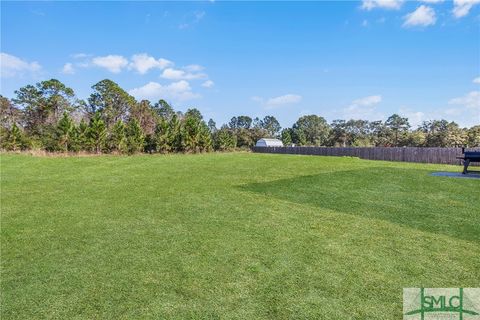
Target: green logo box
[441, 303]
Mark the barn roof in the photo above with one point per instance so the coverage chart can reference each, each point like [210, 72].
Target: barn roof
[269, 142]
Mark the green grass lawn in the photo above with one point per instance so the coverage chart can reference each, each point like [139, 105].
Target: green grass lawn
[230, 236]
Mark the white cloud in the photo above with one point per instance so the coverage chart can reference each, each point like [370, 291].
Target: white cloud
[415, 118]
[471, 101]
[363, 108]
[367, 101]
[177, 74]
[278, 101]
[84, 64]
[468, 112]
[68, 68]
[208, 84]
[11, 66]
[177, 91]
[113, 63]
[432, 1]
[142, 63]
[464, 110]
[465, 117]
[462, 7]
[80, 55]
[384, 4]
[422, 16]
[193, 68]
[476, 80]
[285, 99]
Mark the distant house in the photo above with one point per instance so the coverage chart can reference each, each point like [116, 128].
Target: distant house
[264, 142]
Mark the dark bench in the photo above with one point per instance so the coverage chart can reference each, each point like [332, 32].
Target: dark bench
[468, 157]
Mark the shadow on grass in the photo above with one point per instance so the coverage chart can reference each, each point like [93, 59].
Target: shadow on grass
[408, 197]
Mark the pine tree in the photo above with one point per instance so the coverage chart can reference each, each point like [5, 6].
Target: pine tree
[175, 134]
[111, 101]
[162, 135]
[205, 138]
[96, 133]
[287, 136]
[164, 110]
[117, 140]
[74, 144]
[224, 139]
[65, 132]
[191, 134]
[14, 140]
[398, 126]
[150, 144]
[135, 137]
[212, 126]
[78, 137]
[82, 136]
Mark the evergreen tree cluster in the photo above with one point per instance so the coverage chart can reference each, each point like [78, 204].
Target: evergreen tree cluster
[48, 116]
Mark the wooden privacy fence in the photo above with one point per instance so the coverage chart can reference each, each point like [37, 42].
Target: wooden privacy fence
[405, 154]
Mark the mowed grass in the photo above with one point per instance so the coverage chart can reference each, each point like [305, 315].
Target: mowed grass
[229, 236]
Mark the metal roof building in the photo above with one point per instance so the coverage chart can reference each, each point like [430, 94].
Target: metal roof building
[264, 142]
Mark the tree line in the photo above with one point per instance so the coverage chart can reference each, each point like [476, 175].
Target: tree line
[49, 116]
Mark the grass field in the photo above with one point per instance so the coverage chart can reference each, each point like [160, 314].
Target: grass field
[230, 236]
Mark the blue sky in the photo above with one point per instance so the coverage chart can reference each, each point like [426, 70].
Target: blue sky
[338, 59]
